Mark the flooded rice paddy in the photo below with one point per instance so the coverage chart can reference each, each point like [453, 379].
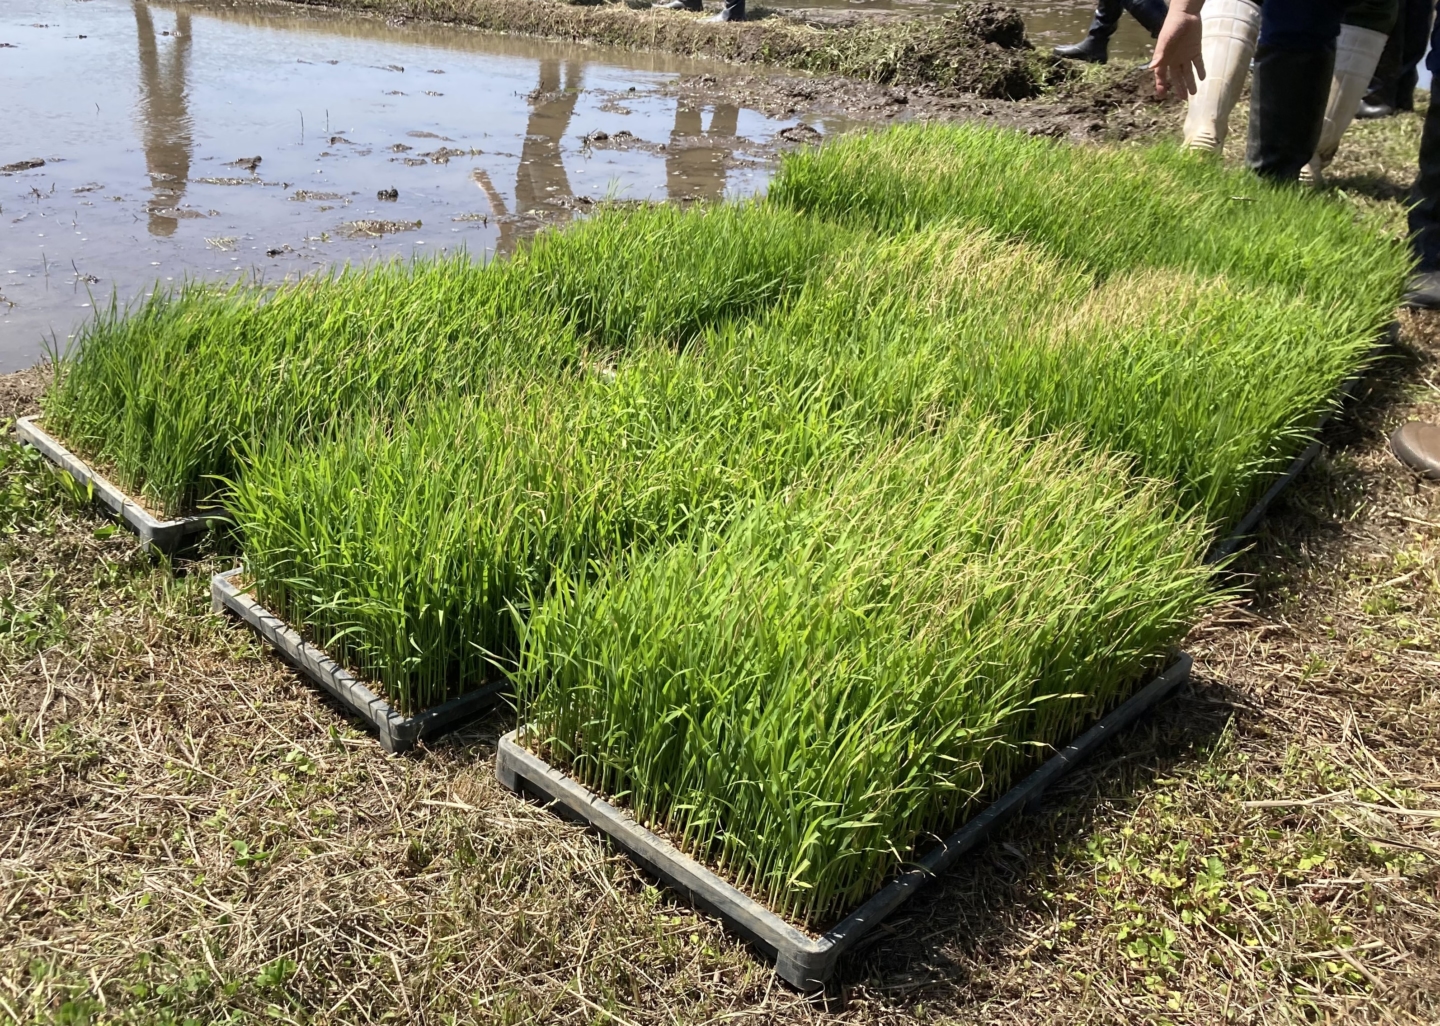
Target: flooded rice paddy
[146, 143]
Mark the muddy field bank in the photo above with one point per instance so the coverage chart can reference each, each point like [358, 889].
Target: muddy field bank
[979, 49]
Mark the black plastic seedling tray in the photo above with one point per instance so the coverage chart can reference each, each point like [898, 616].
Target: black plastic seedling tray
[397, 733]
[804, 961]
[165, 536]
[1236, 538]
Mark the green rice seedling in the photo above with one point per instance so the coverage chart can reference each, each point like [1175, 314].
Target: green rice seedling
[166, 396]
[406, 550]
[898, 340]
[1207, 383]
[1106, 211]
[802, 695]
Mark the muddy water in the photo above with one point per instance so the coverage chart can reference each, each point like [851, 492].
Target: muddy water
[150, 117]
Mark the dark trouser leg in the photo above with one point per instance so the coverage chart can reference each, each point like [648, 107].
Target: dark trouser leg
[1149, 13]
[1393, 87]
[1415, 17]
[1095, 47]
[1375, 15]
[1293, 64]
[1380, 98]
[1425, 193]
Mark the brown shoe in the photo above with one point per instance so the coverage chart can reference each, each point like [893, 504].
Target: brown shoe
[1417, 444]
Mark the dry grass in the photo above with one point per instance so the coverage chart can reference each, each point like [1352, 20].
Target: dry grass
[170, 853]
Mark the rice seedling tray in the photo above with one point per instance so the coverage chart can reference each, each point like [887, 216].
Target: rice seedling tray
[1232, 541]
[166, 536]
[397, 733]
[803, 961]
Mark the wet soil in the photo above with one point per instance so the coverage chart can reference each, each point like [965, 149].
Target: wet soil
[1122, 105]
[978, 47]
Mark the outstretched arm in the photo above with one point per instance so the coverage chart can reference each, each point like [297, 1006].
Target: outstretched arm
[1177, 62]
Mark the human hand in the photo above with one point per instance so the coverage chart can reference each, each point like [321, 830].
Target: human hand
[1177, 62]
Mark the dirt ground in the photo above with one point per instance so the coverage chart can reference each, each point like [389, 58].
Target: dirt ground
[190, 834]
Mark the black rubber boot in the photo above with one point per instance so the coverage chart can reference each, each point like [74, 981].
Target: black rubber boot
[734, 10]
[1149, 13]
[1423, 292]
[1288, 93]
[1095, 47]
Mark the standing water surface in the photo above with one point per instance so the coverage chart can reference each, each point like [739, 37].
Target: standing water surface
[149, 118]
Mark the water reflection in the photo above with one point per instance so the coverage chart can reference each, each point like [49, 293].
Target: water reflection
[695, 159]
[505, 245]
[541, 178]
[164, 116]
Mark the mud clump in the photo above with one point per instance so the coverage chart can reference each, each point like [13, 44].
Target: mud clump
[980, 48]
[304, 195]
[801, 133]
[995, 23]
[443, 154]
[372, 229]
[950, 54]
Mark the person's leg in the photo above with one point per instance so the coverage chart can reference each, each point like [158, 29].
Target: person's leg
[1149, 13]
[1095, 47]
[1417, 444]
[1425, 204]
[1380, 98]
[1294, 59]
[1414, 23]
[1229, 29]
[1364, 34]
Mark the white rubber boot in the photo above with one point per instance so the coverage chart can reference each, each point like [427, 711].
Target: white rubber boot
[1229, 29]
[1357, 52]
